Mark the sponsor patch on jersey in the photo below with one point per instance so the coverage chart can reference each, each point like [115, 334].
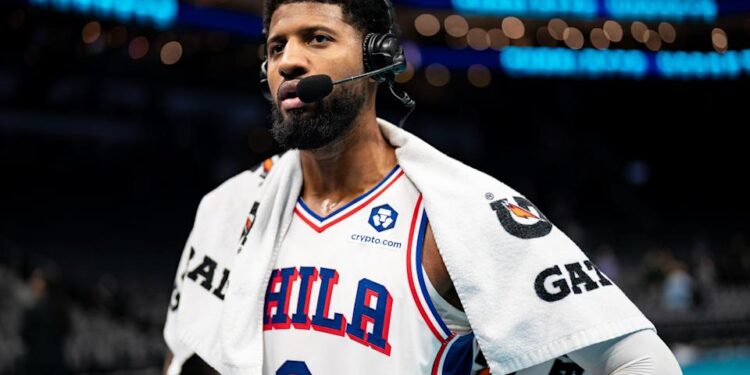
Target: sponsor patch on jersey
[365, 239]
[383, 217]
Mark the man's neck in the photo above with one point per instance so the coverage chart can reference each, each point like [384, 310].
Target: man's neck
[338, 173]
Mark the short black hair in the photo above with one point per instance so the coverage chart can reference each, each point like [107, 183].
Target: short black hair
[367, 16]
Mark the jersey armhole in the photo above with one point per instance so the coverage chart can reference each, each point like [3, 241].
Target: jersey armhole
[416, 277]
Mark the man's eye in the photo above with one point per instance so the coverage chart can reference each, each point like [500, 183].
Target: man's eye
[276, 48]
[320, 38]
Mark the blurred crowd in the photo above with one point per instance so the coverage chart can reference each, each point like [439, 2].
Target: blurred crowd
[48, 325]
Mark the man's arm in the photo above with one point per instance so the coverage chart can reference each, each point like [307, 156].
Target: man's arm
[639, 353]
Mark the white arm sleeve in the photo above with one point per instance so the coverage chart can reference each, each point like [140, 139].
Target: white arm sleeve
[639, 353]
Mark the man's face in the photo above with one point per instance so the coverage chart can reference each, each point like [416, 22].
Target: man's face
[306, 39]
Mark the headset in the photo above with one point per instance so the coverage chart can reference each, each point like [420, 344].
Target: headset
[382, 53]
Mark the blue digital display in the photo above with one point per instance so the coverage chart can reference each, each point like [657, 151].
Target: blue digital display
[563, 62]
[703, 65]
[591, 63]
[160, 13]
[560, 62]
[703, 10]
[538, 8]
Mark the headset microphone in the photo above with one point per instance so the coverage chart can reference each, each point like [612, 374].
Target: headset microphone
[314, 88]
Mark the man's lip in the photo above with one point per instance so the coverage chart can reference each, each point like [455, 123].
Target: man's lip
[292, 103]
[286, 88]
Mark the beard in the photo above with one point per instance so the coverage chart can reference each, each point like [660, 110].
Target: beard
[319, 125]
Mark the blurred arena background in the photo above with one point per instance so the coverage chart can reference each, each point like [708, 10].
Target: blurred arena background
[623, 120]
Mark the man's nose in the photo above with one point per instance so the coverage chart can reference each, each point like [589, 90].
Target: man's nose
[294, 62]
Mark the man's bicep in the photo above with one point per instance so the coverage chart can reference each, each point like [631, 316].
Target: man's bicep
[638, 353]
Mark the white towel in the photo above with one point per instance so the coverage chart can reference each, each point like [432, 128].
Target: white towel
[193, 317]
[529, 292]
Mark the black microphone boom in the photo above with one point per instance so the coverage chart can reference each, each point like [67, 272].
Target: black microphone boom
[314, 88]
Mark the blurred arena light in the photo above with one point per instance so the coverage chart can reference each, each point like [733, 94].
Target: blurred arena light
[513, 27]
[171, 53]
[599, 39]
[427, 24]
[456, 26]
[573, 38]
[653, 41]
[437, 75]
[556, 28]
[639, 31]
[138, 48]
[91, 32]
[667, 32]
[478, 39]
[613, 31]
[479, 76]
[719, 40]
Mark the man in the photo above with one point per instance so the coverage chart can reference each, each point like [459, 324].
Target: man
[359, 284]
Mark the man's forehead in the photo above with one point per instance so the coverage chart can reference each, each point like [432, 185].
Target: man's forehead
[300, 15]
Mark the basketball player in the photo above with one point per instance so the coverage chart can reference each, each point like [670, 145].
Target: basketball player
[360, 226]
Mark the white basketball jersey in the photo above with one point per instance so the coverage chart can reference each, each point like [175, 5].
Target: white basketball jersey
[348, 294]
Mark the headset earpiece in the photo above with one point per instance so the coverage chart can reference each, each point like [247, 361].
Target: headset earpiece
[381, 50]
